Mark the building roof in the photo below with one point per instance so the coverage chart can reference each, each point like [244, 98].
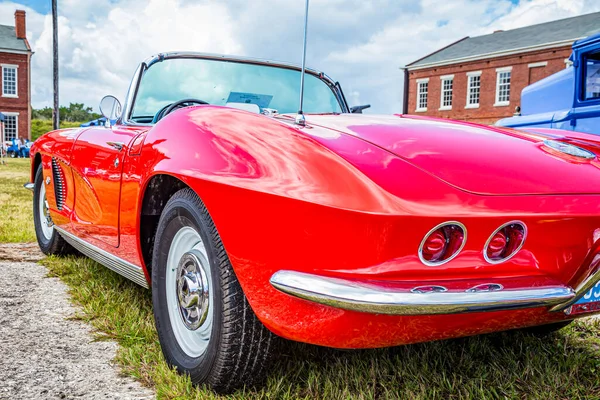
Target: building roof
[534, 37]
[9, 40]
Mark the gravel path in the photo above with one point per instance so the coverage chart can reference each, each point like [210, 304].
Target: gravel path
[43, 353]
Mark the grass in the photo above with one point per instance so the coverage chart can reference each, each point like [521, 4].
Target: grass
[565, 365]
[504, 365]
[16, 222]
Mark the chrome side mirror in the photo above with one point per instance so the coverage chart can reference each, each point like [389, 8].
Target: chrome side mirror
[110, 107]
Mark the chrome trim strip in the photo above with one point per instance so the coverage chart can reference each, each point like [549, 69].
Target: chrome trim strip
[370, 298]
[486, 287]
[435, 228]
[59, 186]
[584, 287]
[498, 230]
[429, 289]
[223, 57]
[131, 93]
[120, 266]
[29, 186]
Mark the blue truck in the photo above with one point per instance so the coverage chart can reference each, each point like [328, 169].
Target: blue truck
[569, 99]
[97, 122]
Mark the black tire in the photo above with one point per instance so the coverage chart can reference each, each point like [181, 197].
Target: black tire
[548, 329]
[239, 348]
[55, 245]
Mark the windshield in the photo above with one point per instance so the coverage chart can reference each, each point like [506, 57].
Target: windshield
[223, 82]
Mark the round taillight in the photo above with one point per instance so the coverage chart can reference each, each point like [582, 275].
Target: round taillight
[442, 243]
[505, 242]
[497, 245]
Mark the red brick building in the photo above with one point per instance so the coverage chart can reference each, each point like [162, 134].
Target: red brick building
[15, 78]
[480, 78]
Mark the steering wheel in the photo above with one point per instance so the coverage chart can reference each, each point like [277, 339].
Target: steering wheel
[163, 112]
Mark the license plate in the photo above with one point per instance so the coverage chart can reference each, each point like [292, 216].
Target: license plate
[590, 302]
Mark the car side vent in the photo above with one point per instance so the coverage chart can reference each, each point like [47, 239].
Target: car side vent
[59, 184]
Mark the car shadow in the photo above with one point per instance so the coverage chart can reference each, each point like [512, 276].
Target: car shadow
[510, 364]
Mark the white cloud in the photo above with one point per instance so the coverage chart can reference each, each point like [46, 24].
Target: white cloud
[539, 11]
[360, 43]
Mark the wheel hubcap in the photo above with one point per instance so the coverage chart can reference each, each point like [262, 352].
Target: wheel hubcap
[193, 289]
[189, 298]
[44, 214]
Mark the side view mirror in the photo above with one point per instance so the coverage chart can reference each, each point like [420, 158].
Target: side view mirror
[359, 109]
[110, 107]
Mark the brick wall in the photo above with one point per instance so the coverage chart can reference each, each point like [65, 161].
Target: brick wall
[521, 75]
[21, 104]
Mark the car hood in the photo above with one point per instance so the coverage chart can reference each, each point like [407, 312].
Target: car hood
[474, 158]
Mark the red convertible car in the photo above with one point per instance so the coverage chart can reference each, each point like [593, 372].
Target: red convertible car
[343, 230]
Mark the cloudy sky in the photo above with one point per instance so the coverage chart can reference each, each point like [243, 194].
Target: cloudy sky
[361, 43]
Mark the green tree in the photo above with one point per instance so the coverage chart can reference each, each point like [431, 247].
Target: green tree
[75, 112]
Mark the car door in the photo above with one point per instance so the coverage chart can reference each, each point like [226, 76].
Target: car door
[586, 111]
[97, 163]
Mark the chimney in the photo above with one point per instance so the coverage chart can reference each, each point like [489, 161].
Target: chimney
[20, 26]
[498, 31]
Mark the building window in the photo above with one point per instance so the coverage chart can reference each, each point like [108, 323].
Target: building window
[9, 80]
[503, 86]
[422, 89]
[11, 126]
[473, 89]
[446, 92]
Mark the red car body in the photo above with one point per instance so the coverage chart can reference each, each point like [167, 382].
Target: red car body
[323, 223]
[349, 197]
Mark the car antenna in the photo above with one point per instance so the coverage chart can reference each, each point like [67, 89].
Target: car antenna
[300, 119]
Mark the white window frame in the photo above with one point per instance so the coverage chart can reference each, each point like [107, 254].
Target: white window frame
[16, 68]
[568, 63]
[469, 87]
[419, 82]
[443, 79]
[10, 114]
[537, 64]
[499, 71]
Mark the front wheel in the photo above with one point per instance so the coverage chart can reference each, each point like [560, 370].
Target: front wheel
[205, 325]
[48, 238]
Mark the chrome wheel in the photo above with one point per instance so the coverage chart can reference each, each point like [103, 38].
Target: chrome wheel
[189, 298]
[44, 213]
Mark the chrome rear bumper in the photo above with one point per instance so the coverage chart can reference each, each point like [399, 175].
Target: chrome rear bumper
[371, 298]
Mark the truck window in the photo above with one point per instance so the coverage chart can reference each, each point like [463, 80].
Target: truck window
[592, 76]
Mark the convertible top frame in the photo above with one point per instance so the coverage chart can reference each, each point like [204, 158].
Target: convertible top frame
[146, 64]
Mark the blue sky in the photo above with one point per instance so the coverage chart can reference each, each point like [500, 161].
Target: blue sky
[361, 43]
[41, 6]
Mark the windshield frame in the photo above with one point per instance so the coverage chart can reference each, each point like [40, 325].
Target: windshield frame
[148, 63]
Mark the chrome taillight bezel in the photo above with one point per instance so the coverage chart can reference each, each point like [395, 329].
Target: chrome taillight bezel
[487, 243]
[456, 253]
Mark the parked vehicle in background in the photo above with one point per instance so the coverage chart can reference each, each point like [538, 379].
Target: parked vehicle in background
[96, 122]
[569, 99]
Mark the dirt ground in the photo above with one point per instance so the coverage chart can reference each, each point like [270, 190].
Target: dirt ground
[44, 353]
